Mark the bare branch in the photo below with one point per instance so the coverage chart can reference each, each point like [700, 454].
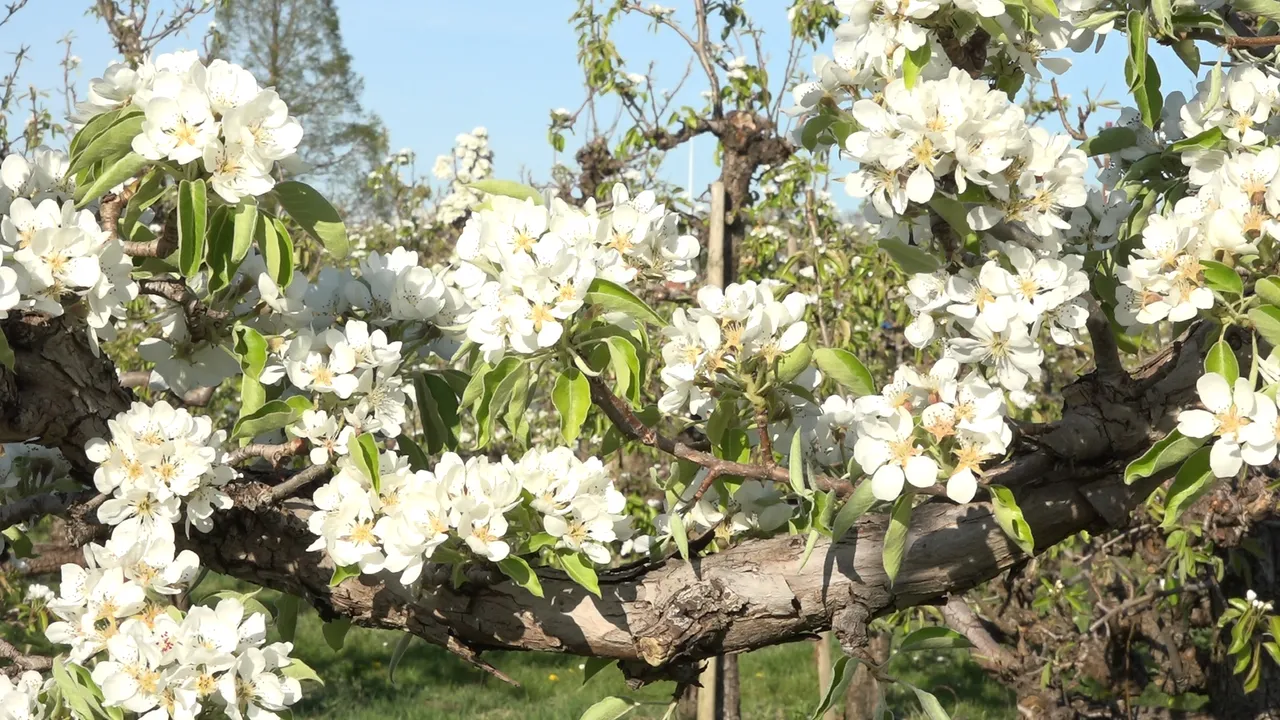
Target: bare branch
[989, 653]
[34, 507]
[21, 662]
[290, 487]
[274, 454]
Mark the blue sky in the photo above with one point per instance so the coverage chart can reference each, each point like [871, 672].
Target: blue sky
[435, 68]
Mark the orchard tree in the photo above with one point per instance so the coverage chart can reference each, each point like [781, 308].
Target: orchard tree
[356, 465]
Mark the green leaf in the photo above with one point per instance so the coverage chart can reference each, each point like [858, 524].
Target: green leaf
[580, 571]
[675, 523]
[251, 348]
[287, 616]
[342, 572]
[1009, 517]
[1109, 140]
[594, 666]
[1221, 359]
[1203, 141]
[19, 541]
[1268, 288]
[397, 655]
[1169, 451]
[1221, 278]
[271, 416]
[1098, 19]
[933, 638]
[418, 458]
[954, 213]
[914, 62]
[895, 538]
[221, 236]
[245, 228]
[109, 176]
[1266, 320]
[301, 671]
[276, 249]
[309, 209]
[612, 297]
[519, 571]
[909, 257]
[855, 507]
[193, 214]
[796, 464]
[7, 358]
[809, 544]
[1189, 53]
[96, 126]
[626, 366]
[795, 362]
[572, 398]
[1043, 8]
[365, 455]
[1193, 480]
[112, 144]
[1162, 11]
[80, 699]
[335, 632]
[841, 674]
[508, 188]
[846, 369]
[932, 708]
[1269, 9]
[610, 708]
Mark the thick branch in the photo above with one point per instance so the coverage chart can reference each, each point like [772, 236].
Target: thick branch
[37, 506]
[20, 661]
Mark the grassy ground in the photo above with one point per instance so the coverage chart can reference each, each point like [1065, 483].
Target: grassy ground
[778, 683]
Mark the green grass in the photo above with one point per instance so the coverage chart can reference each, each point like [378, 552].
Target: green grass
[778, 683]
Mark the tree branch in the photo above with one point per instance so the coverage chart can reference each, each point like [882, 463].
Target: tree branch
[34, 507]
[20, 662]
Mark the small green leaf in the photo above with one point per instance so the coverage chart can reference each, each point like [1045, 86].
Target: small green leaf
[342, 572]
[572, 398]
[794, 362]
[933, 638]
[1268, 288]
[1221, 278]
[365, 454]
[309, 209]
[675, 524]
[287, 616]
[1189, 53]
[108, 177]
[1193, 480]
[251, 349]
[507, 188]
[193, 215]
[957, 217]
[895, 538]
[246, 224]
[593, 667]
[1109, 140]
[626, 366]
[276, 248]
[1009, 518]
[1203, 141]
[858, 503]
[112, 144]
[397, 655]
[909, 257]
[914, 62]
[1221, 359]
[335, 632]
[519, 571]
[610, 708]
[841, 674]
[612, 297]
[1169, 451]
[1266, 319]
[580, 571]
[7, 358]
[846, 369]
[301, 671]
[932, 708]
[809, 544]
[271, 416]
[18, 541]
[796, 464]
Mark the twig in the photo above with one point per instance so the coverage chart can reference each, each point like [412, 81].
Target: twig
[22, 662]
[1145, 600]
[287, 488]
[1077, 133]
[625, 419]
[1239, 41]
[766, 442]
[37, 506]
[965, 621]
[712, 475]
[273, 454]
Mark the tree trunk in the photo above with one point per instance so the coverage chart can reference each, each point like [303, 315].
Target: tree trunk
[864, 692]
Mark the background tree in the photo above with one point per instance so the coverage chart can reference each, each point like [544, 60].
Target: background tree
[296, 47]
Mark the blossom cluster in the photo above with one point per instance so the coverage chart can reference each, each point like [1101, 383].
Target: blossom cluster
[525, 267]
[728, 329]
[471, 161]
[400, 523]
[20, 698]
[995, 316]
[51, 254]
[1243, 421]
[216, 114]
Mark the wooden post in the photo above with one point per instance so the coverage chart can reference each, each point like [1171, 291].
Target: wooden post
[711, 696]
[822, 656]
[717, 273]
